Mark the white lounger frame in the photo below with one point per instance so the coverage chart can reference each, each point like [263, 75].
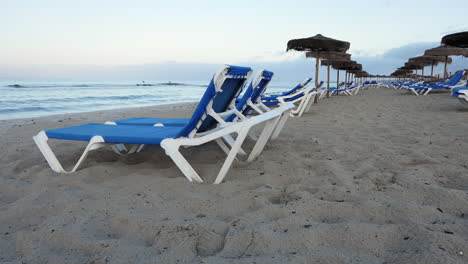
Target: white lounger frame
[304, 102]
[461, 83]
[171, 145]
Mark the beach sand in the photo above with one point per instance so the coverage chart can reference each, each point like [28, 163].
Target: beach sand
[381, 177]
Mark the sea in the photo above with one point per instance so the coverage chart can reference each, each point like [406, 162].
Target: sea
[34, 98]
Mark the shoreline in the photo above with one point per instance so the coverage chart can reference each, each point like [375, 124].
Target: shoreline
[109, 115]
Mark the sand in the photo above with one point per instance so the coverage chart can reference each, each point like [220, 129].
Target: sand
[381, 177]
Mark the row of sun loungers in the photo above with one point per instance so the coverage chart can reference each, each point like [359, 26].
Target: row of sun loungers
[455, 84]
[223, 115]
[418, 87]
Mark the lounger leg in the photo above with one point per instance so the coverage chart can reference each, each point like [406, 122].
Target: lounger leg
[414, 91]
[230, 141]
[134, 148]
[280, 125]
[222, 145]
[172, 150]
[41, 142]
[232, 154]
[263, 139]
[428, 90]
[309, 105]
[140, 148]
[357, 90]
[119, 149]
[298, 108]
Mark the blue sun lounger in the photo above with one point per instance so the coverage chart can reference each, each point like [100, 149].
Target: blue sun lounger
[300, 96]
[426, 88]
[249, 103]
[250, 97]
[461, 93]
[293, 90]
[203, 127]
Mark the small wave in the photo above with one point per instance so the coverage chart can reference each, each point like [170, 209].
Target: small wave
[30, 109]
[65, 85]
[88, 99]
[100, 85]
[170, 84]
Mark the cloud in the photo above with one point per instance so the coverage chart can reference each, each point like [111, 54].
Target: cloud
[288, 67]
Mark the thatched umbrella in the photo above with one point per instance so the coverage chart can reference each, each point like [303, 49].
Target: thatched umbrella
[414, 66]
[356, 67]
[317, 44]
[446, 51]
[352, 65]
[340, 65]
[430, 60]
[330, 56]
[459, 40]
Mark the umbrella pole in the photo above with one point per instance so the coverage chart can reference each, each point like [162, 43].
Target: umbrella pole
[316, 76]
[328, 81]
[432, 70]
[422, 72]
[337, 78]
[445, 67]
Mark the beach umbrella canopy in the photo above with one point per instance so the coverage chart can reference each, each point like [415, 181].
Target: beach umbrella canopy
[318, 44]
[413, 65]
[430, 60]
[338, 65]
[445, 50]
[330, 56]
[342, 65]
[457, 39]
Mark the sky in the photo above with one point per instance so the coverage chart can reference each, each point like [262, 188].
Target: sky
[91, 39]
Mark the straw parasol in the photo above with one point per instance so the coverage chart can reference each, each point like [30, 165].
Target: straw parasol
[338, 65]
[430, 60]
[330, 56]
[446, 51]
[317, 44]
[459, 40]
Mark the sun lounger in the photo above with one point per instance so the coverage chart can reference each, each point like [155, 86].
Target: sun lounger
[424, 89]
[461, 93]
[204, 126]
[243, 106]
[301, 98]
[269, 97]
[249, 103]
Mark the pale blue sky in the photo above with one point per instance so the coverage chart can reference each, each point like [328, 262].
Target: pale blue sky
[116, 32]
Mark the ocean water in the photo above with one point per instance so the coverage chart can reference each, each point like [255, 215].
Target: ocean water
[24, 99]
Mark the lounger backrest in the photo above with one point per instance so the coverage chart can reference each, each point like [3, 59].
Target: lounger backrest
[299, 86]
[260, 85]
[253, 92]
[455, 78]
[320, 84]
[220, 94]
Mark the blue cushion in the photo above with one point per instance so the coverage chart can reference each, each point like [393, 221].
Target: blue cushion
[150, 121]
[271, 103]
[116, 134]
[458, 89]
[229, 91]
